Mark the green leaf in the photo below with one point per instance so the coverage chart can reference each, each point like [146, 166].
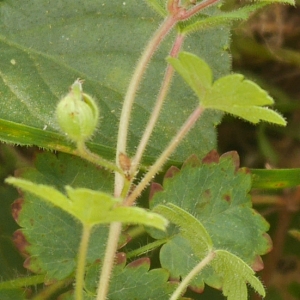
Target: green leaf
[90, 207]
[275, 178]
[159, 6]
[190, 227]
[11, 262]
[216, 194]
[12, 294]
[201, 22]
[194, 71]
[134, 281]
[45, 192]
[43, 50]
[291, 2]
[235, 274]
[231, 94]
[243, 98]
[39, 220]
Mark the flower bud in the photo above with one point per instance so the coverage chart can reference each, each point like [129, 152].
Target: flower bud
[77, 114]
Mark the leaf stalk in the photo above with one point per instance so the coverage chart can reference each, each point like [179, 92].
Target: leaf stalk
[190, 122]
[196, 270]
[197, 8]
[86, 154]
[111, 247]
[158, 106]
[82, 253]
[150, 49]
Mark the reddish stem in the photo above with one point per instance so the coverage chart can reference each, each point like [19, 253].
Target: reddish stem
[185, 128]
[173, 6]
[181, 14]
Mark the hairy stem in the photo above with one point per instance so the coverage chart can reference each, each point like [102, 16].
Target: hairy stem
[132, 89]
[107, 266]
[147, 248]
[86, 154]
[23, 281]
[190, 122]
[197, 8]
[115, 228]
[83, 247]
[196, 270]
[157, 108]
[49, 291]
[172, 5]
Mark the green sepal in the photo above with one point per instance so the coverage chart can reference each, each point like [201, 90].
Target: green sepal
[91, 207]
[77, 114]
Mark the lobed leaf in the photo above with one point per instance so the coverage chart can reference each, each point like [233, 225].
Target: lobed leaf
[201, 22]
[195, 72]
[90, 207]
[242, 98]
[215, 192]
[133, 281]
[45, 226]
[45, 192]
[231, 93]
[235, 274]
[190, 228]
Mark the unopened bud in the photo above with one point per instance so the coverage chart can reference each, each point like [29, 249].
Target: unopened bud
[77, 114]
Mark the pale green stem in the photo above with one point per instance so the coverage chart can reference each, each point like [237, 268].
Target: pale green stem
[131, 92]
[195, 271]
[135, 231]
[115, 228]
[50, 290]
[190, 122]
[157, 108]
[81, 260]
[21, 282]
[86, 154]
[109, 259]
[146, 248]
